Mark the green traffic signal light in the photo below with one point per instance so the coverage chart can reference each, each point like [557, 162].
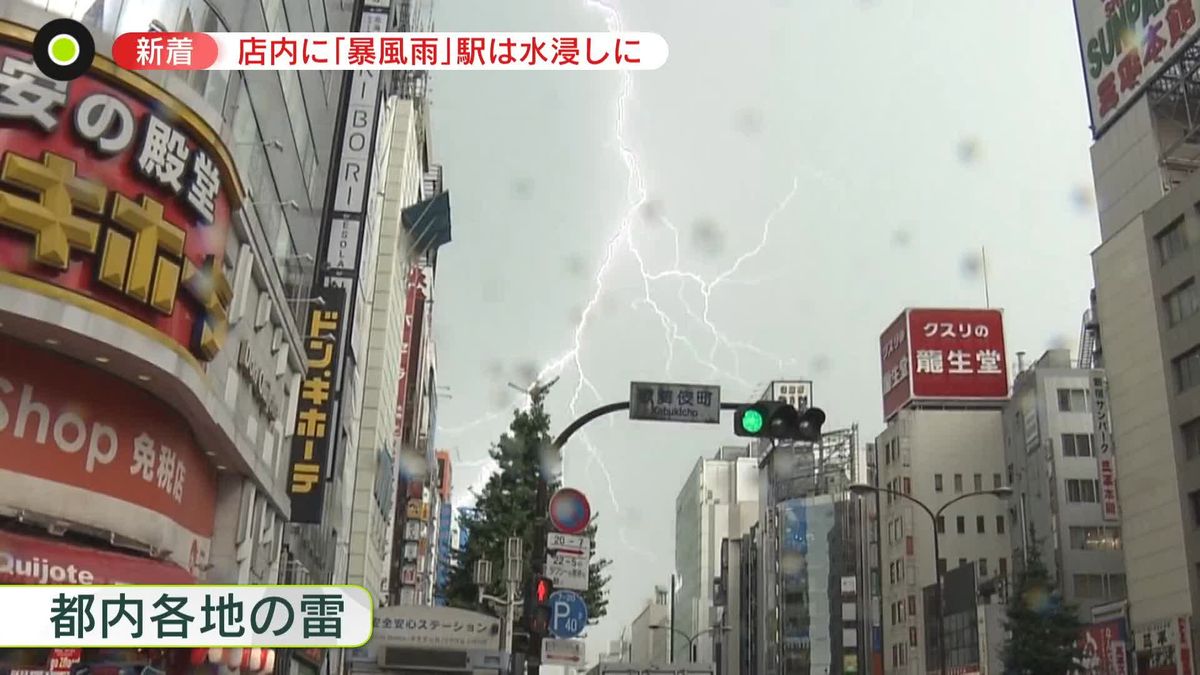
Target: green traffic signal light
[752, 421]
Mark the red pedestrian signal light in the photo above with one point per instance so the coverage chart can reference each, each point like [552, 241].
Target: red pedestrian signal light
[542, 590]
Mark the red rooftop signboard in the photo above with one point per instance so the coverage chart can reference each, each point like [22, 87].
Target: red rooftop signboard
[944, 355]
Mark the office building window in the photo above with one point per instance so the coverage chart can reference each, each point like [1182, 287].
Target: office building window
[982, 570]
[1172, 241]
[1187, 369]
[979, 525]
[999, 524]
[1191, 439]
[903, 655]
[912, 605]
[1072, 400]
[1077, 445]
[1003, 565]
[962, 525]
[1083, 491]
[1010, 474]
[1116, 586]
[1095, 538]
[912, 636]
[1194, 498]
[941, 565]
[1182, 302]
[907, 486]
[962, 561]
[978, 482]
[996, 484]
[941, 524]
[937, 482]
[958, 482]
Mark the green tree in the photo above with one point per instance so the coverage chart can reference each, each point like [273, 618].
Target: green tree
[506, 508]
[1045, 630]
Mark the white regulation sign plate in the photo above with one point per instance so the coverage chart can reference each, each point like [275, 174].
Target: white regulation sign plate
[567, 572]
[562, 652]
[568, 544]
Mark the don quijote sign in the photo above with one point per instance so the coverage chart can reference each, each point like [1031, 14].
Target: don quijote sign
[118, 194]
[96, 438]
[1125, 44]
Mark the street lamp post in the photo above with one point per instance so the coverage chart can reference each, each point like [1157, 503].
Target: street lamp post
[691, 639]
[1001, 492]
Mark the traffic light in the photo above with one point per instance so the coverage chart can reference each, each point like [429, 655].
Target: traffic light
[537, 606]
[778, 420]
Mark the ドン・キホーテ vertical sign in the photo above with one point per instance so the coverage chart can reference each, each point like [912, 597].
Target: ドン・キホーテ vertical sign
[316, 423]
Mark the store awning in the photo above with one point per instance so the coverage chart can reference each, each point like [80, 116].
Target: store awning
[428, 223]
[36, 560]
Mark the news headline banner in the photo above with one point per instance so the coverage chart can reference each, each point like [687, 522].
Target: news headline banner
[185, 616]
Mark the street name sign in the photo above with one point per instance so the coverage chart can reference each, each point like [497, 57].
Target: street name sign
[567, 571]
[562, 652]
[568, 614]
[568, 544]
[674, 402]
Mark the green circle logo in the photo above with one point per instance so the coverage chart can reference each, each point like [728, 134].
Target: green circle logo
[752, 421]
[64, 49]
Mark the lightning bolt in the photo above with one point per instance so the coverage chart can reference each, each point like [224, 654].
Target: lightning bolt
[622, 242]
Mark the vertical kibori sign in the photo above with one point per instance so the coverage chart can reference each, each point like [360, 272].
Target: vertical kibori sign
[1105, 455]
[340, 246]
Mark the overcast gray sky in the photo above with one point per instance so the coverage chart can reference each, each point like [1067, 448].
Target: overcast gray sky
[915, 132]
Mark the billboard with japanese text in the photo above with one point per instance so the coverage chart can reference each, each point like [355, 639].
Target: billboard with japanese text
[943, 355]
[1104, 648]
[316, 426]
[894, 360]
[114, 197]
[84, 445]
[1106, 457]
[1125, 44]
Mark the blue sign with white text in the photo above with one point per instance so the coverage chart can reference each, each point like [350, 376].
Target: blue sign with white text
[568, 614]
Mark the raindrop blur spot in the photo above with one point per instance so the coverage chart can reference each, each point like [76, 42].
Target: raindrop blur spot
[522, 188]
[1060, 342]
[652, 212]
[749, 122]
[972, 265]
[576, 265]
[969, 151]
[501, 396]
[901, 238]
[821, 364]
[1082, 198]
[494, 370]
[527, 372]
[707, 237]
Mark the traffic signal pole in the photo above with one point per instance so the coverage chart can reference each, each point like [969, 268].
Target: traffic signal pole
[538, 561]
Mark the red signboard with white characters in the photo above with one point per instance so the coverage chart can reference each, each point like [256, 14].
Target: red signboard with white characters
[116, 197]
[943, 355]
[414, 307]
[957, 353]
[1104, 647]
[34, 560]
[893, 353]
[61, 660]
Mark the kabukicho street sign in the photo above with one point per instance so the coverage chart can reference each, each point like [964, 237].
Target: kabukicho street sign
[570, 511]
[568, 614]
[673, 402]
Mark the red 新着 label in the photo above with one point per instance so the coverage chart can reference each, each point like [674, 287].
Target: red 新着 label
[957, 354]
